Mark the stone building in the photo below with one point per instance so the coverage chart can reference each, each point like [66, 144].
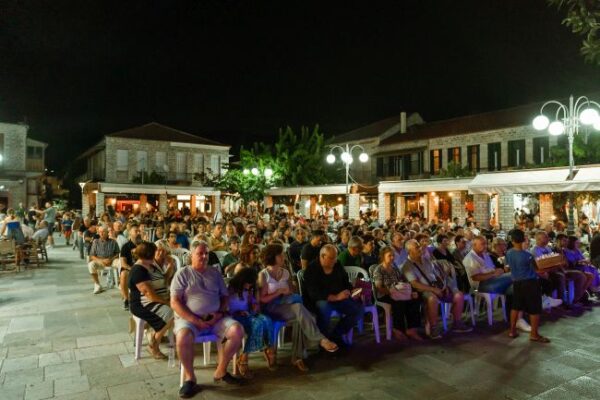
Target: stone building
[22, 164]
[152, 167]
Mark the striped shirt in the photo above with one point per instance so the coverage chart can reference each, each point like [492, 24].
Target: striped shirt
[104, 248]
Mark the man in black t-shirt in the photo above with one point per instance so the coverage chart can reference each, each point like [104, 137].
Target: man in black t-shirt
[89, 235]
[127, 261]
[328, 289]
[295, 249]
[310, 251]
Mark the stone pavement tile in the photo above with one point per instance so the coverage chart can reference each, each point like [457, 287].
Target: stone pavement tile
[560, 393]
[12, 392]
[160, 369]
[24, 324]
[99, 340]
[39, 390]
[62, 343]
[119, 376]
[578, 361]
[138, 390]
[59, 357]
[100, 351]
[24, 338]
[70, 385]
[463, 373]
[550, 371]
[100, 365]
[585, 386]
[14, 364]
[92, 394]
[65, 370]
[163, 387]
[24, 376]
[29, 349]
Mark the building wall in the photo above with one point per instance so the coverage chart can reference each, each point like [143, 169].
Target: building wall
[152, 147]
[15, 146]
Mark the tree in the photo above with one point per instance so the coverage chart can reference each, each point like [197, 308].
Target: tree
[586, 150]
[294, 160]
[583, 18]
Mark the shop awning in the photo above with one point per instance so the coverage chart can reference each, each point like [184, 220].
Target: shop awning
[117, 188]
[307, 190]
[587, 179]
[425, 185]
[523, 181]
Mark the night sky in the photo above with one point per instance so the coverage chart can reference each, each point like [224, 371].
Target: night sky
[236, 71]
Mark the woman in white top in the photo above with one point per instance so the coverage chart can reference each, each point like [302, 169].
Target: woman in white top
[281, 304]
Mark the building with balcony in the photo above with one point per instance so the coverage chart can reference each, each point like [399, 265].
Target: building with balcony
[152, 167]
[22, 165]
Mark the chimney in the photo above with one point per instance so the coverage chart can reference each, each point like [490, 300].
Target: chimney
[403, 122]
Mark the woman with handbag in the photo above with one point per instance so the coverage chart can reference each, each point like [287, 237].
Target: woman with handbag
[391, 287]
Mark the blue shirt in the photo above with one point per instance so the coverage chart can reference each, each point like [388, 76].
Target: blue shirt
[522, 265]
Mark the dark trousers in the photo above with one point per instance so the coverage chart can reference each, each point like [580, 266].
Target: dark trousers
[556, 281]
[350, 312]
[406, 314]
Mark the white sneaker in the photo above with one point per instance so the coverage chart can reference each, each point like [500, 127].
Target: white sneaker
[97, 288]
[555, 302]
[549, 302]
[522, 325]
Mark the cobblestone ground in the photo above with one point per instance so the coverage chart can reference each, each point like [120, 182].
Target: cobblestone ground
[58, 340]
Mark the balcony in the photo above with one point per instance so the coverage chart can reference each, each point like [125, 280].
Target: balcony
[171, 178]
[34, 164]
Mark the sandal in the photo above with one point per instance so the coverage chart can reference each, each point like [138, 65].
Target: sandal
[299, 363]
[513, 335]
[329, 346]
[539, 339]
[271, 358]
[154, 349]
[242, 367]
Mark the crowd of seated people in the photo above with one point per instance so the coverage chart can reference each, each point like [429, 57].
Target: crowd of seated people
[291, 270]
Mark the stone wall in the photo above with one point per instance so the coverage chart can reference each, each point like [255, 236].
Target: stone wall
[506, 211]
[152, 147]
[546, 208]
[384, 207]
[481, 210]
[458, 206]
[353, 206]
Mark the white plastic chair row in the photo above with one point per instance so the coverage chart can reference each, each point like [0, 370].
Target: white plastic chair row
[491, 303]
[353, 273]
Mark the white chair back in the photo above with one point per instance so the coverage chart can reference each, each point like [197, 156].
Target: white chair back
[182, 254]
[177, 262]
[221, 255]
[354, 272]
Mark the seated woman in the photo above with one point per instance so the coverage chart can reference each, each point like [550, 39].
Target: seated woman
[248, 259]
[406, 314]
[244, 308]
[11, 228]
[164, 262]
[281, 304]
[149, 296]
[577, 261]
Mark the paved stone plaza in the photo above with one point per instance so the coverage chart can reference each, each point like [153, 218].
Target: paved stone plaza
[59, 341]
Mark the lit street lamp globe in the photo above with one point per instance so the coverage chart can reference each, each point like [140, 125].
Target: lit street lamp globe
[268, 172]
[588, 116]
[346, 157]
[246, 171]
[597, 125]
[254, 171]
[540, 122]
[556, 128]
[330, 158]
[364, 157]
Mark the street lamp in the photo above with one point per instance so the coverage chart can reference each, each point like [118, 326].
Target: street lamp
[346, 157]
[569, 118]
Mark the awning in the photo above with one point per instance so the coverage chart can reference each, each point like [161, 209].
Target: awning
[425, 185]
[307, 190]
[587, 179]
[523, 181]
[156, 189]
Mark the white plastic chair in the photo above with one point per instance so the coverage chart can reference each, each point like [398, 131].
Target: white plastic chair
[468, 308]
[387, 307]
[177, 262]
[181, 253]
[139, 336]
[221, 255]
[491, 301]
[206, 341]
[353, 273]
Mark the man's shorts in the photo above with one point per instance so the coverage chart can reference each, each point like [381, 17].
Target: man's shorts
[527, 296]
[219, 329]
[50, 228]
[95, 267]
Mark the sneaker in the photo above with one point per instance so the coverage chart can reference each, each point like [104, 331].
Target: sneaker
[189, 389]
[435, 333]
[97, 289]
[555, 302]
[549, 302]
[229, 379]
[522, 325]
[126, 305]
[461, 327]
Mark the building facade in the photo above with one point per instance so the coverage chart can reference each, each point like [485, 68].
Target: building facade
[152, 167]
[22, 164]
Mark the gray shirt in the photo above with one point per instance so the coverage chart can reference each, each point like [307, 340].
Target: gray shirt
[412, 273]
[201, 292]
[50, 215]
[104, 248]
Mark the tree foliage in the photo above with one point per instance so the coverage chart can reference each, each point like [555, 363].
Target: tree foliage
[583, 18]
[586, 150]
[455, 170]
[295, 159]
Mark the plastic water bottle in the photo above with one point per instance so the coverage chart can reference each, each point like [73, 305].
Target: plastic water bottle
[171, 357]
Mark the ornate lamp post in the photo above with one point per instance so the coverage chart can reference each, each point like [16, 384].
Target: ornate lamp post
[346, 157]
[568, 118]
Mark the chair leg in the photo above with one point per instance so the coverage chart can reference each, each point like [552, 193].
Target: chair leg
[361, 326]
[139, 337]
[206, 350]
[503, 302]
[472, 311]
[388, 325]
[570, 292]
[181, 373]
[490, 310]
[444, 316]
[376, 325]
[281, 337]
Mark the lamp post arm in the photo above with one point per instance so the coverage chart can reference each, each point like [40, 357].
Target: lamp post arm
[357, 146]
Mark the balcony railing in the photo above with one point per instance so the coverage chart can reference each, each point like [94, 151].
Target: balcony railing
[169, 178]
[34, 164]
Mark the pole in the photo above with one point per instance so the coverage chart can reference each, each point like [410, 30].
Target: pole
[571, 137]
[347, 205]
